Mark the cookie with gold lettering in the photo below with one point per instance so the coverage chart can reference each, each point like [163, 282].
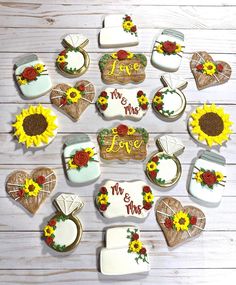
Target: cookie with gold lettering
[123, 143]
[123, 67]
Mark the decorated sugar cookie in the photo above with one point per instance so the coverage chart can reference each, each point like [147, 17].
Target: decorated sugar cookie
[31, 190]
[118, 31]
[124, 199]
[168, 50]
[123, 67]
[81, 159]
[210, 125]
[123, 143]
[73, 61]
[73, 101]
[116, 103]
[63, 231]
[35, 127]
[169, 102]
[208, 72]
[124, 253]
[179, 223]
[208, 178]
[163, 168]
[32, 76]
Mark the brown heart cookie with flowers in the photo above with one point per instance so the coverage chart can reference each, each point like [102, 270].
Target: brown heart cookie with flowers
[179, 223]
[30, 190]
[123, 143]
[73, 100]
[208, 72]
[123, 67]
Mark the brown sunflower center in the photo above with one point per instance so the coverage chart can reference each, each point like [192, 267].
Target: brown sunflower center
[182, 221]
[211, 124]
[31, 187]
[72, 95]
[35, 124]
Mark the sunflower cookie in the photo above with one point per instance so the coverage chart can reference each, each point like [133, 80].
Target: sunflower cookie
[31, 190]
[179, 223]
[32, 76]
[208, 72]
[73, 61]
[35, 127]
[125, 199]
[124, 253]
[73, 101]
[118, 31]
[63, 231]
[123, 67]
[167, 51]
[116, 103]
[210, 125]
[123, 143]
[163, 167]
[169, 101]
[208, 178]
[81, 159]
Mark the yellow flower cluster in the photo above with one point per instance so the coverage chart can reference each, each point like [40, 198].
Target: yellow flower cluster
[181, 221]
[73, 95]
[135, 245]
[31, 188]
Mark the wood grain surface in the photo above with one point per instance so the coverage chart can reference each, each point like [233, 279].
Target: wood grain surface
[38, 26]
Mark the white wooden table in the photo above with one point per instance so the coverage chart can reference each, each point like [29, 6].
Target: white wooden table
[38, 26]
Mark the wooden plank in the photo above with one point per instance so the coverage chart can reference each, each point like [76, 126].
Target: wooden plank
[117, 172]
[69, 16]
[15, 218]
[13, 153]
[48, 40]
[25, 250]
[67, 126]
[77, 276]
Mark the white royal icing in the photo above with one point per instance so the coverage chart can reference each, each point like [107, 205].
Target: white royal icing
[65, 232]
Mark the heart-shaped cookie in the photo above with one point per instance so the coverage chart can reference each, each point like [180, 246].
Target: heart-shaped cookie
[73, 100]
[208, 72]
[30, 190]
[179, 223]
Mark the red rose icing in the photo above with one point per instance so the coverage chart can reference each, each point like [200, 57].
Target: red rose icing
[122, 130]
[209, 178]
[41, 179]
[153, 174]
[199, 67]
[140, 93]
[159, 107]
[52, 223]
[144, 107]
[103, 207]
[29, 73]
[128, 18]
[103, 94]
[81, 87]
[219, 67]
[81, 158]
[147, 206]
[155, 159]
[63, 101]
[168, 223]
[122, 54]
[169, 47]
[63, 52]
[133, 29]
[135, 236]
[146, 189]
[49, 240]
[193, 220]
[21, 193]
[103, 190]
[143, 250]
[103, 107]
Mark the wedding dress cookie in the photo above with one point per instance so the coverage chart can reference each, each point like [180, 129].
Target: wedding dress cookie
[167, 51]
[118, 31]
[32, 76]
[124, 252]
[208, 178]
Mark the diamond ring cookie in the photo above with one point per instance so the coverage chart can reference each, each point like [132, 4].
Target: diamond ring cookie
[168, 50]
[208, 178]
[73, 61]
[35, 127]
[31, 189]
[210, 125]
[118, 31]
[125, 199]
[123, 143]
[63, 231]
[179, 223]
[208, 72]
[163, 167]
[117, 103]
[169, 102]
[123, 67]
[124, 253]
[73, 101]
[32, 76]
[81, 159]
